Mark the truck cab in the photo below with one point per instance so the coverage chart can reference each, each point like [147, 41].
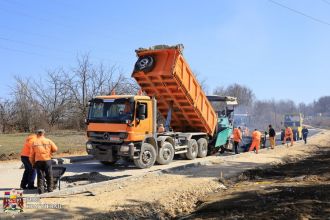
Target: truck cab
[117, 125]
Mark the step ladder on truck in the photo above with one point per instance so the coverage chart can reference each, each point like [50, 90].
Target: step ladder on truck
[125, 126]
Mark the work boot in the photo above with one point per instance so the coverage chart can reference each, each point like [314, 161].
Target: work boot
[31, 187]
[41, 191]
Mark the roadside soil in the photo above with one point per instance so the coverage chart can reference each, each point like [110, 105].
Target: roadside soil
[296, 190]
[295, 185]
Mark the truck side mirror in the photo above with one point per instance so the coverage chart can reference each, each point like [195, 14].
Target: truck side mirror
[141, 111]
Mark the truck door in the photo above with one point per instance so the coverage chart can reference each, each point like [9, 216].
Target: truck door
[143, 123]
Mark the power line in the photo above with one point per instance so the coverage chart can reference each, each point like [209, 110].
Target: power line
[31, 44]
[21, 51]
[300, 13]
[28, 32]
[326, 1]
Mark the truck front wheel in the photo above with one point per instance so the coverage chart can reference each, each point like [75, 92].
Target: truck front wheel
[147, 157]
[165, 154]
[202, 147]
[192, 149]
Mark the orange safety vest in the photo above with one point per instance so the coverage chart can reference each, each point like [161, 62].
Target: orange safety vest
[256, 136]
[27, 145]
[288, 131]
[42, 149]
[237, 135]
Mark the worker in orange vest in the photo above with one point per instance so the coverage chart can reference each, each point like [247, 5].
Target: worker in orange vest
[288, 134]
[256, 137]
[29, 174]
[40, 156]
[237, 138]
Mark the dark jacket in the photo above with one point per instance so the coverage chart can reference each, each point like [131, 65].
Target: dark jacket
[272, 132]
[304, 131]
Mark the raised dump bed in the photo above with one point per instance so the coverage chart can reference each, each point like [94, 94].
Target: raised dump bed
[161, 71]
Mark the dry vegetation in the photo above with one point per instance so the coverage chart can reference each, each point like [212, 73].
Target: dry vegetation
[69, 142]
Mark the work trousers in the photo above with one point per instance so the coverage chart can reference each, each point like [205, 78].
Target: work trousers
[288, 137]
[44, 171]
[272, 142]
[305, 138]
[236, 146]
[256, 145]
[29, 174]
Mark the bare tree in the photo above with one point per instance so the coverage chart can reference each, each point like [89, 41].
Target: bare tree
[7, 115]
[23, 100]
[322, 105]
[52, 96]
[245, 96]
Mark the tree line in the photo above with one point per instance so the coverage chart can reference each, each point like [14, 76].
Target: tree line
[59, 99]
[265, 112]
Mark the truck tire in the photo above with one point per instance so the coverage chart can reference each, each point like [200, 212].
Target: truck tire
[165, 154]
[202, 147]
[147, 156]
[108, 163]
[144, 63]
[192, 149]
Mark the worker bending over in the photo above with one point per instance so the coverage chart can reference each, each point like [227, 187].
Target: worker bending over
[256, 137]
[288, 134]
[40, 157]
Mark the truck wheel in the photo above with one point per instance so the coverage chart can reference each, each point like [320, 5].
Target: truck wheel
[192, 149]
[147, 156]
[165, 154]
[202, 147]
[145, 64]
[108, 163]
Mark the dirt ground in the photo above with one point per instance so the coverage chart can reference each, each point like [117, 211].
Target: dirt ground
[296, 190]
[296, 187]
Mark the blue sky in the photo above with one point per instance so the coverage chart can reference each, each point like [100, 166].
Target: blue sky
[276, 52]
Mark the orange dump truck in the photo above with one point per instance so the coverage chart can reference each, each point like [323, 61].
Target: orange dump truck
[125, 126]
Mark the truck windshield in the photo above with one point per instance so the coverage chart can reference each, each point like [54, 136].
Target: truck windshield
[111, 110]
[292, 124]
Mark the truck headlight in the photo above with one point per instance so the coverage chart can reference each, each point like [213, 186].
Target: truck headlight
[89, 146]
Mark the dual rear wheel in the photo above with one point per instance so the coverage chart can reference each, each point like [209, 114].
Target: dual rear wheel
[148, 155]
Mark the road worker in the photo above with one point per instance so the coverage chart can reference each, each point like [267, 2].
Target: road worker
[304, 132]
[237, 136]
[288, 134]
[256, 137]
[272, 135]
[29, 174]
[40, 156]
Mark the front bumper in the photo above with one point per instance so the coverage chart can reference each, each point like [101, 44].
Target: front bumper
[104, 152]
